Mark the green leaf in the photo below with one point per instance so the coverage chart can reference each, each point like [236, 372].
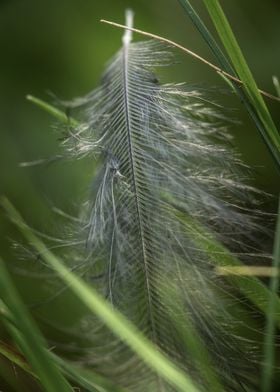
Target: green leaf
[32, 344]
[114, 320]
[89, 380]
[14, 357]
[190, 335]
[250, 286]
[272, 315]
[226, 66]
[271, 134]
[210, 40]
[53, 111]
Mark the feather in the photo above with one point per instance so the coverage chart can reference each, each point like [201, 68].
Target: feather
[162, 169]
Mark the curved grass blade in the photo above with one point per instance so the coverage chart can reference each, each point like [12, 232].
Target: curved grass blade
[86, 379]
[114, 320]
[226, 66]
[250, 286]
[14, 357]
[208, 37]
[271, 134]
[32, 343]
[272, 315]
[53, 111]
[12, 378]
[10, 362]
[191, 338]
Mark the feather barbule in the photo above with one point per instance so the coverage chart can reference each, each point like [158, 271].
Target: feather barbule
[163, 169]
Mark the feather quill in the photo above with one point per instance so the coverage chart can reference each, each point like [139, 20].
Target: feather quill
[161, 171]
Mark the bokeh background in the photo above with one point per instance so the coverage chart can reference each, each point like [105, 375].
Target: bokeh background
[61, 47]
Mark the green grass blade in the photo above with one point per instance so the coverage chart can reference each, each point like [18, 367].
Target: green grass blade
[271, 316]
[53, 111]
[210, 40]
[114, 320]
[32, 344]
[276, 84]
[10, 355]
[14, 357]
[226, 66]
[249, 286]
[271, 135]
[190, 337]
[87, 379]
[13, 378]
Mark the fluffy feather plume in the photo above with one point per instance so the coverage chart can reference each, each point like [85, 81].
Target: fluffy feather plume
[161, 173]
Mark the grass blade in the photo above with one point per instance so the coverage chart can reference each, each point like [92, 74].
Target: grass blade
[271, 317]
[53, 111]
[86, 379]
[249, 286]
[114, 320]
[271, 134]
[32, 343]
[191, 338]
[14, 357]
[210, 40]
[226, 66]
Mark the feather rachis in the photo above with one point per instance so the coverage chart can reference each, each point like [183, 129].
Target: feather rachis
[158, 161]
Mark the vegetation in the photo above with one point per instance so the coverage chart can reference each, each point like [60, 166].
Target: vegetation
[29, 350]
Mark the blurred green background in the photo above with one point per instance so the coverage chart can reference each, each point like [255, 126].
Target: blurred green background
[60, 46]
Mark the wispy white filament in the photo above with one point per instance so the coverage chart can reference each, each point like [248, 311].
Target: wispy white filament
[162, 169]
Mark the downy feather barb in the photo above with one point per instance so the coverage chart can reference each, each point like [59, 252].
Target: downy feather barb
[163, 171]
